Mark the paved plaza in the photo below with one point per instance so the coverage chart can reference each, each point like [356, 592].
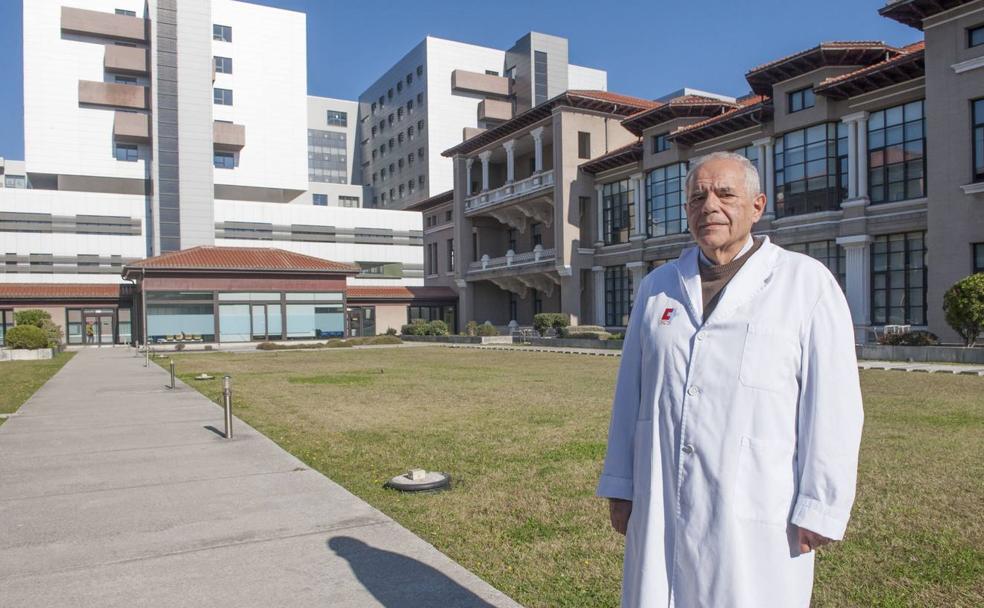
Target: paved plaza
[116, 491]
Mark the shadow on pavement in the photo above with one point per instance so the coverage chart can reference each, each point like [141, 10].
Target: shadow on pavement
[398, 581]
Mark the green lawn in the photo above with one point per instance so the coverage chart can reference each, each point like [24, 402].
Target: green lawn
[20, 379]
[523, 435]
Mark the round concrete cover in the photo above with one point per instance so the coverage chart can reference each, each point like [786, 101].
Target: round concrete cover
[431, 481]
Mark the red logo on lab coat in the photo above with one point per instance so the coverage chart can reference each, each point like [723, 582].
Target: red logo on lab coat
[667, 316]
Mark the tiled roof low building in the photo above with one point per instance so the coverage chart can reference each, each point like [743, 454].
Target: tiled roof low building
[242, 259]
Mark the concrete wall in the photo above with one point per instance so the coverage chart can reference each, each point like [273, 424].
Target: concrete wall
[390, 315]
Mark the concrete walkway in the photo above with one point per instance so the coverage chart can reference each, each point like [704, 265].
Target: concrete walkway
[114, 492]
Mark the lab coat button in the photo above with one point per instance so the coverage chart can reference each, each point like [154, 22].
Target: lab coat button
[693, 391]
[701, 336]
[688, 449]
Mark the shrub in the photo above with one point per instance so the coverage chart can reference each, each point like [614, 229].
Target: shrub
[32, 316]
[471, 329]
[915, 338]
[963, 305]
[179, 346]
[487, 329]
[54, 333]
[390, 331]
[417, 327]
[587, 332]
[617, 336]
[26, 337]
[437, 328]
[267, 346]
[550, 320]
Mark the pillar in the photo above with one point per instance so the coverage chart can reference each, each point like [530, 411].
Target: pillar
[639, 198]
[510, 147]
[637, 270]
[852, 158]
[600, 217]
[485, 156]
[468, 180]
[857, 251]
[598, 274]
[767, 173]
[537, 135]
[862, 154]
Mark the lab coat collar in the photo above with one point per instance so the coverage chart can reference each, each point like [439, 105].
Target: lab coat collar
[752, 277]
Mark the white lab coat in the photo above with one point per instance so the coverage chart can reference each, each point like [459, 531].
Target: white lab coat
[724, 434]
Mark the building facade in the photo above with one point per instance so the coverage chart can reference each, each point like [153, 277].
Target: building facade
[870, 157]
[442, 92]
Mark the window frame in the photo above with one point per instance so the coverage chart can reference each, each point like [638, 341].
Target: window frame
[977, 257]
[128, 148]
[618, 295]
[223, 34]
[220, 63]
[664, 199]
[977, 137]
[219, 96]
[319, 199]
[880, 176]
[907, 269]
[336, 118]
[804, 96]
[970, 36]
[217, 154]
[618, 203]
[660, 143]
[584, 145]
[836, 182]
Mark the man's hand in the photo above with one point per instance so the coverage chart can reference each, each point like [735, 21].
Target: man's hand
[619, 510]
[808, 541]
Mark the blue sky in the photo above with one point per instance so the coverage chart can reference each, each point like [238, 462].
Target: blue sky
[649, 48]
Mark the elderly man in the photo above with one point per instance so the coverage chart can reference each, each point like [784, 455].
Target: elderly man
[732, 451]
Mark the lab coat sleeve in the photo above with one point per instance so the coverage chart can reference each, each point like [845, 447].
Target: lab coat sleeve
[830, 418]
[616, 477]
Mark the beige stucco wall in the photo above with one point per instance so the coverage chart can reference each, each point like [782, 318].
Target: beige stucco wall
[390, 315]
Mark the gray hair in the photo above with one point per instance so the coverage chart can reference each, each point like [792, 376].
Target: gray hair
[752, 184]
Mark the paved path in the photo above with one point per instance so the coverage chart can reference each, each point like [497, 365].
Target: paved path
[113, 492]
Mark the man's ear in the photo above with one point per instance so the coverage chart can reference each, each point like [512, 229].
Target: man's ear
[758, 203]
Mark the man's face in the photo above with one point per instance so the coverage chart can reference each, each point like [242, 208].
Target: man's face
[720, 211]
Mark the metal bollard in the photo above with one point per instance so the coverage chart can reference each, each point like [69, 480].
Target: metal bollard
[227, 404]
[147, 357]
[172, 373]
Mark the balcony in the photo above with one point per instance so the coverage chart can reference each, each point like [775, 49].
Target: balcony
[493, 109]
[103, 25]
[109, 94]
[514, 260]
[131, 127]
[228, 136]
[539, 182]
[464, 81]
[125, 60]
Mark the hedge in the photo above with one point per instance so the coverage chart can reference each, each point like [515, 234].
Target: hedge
[26, 337]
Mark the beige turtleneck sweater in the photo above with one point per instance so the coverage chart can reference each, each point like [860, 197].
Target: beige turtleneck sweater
[714, 277]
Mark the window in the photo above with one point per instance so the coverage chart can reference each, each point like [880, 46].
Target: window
[660, 143]
[450, 255]
[513, 307]
[410, 159]
[411, 185]
[319, 200]
[420, 153]
[420, 70]
[401, 190]
[420, 99]
[811, 169]
[536, 235]
[511, 235]
[389, 119]
[375, 153]
[431, 258]
[399, 139]
[125, 12]
[222, 97]
[223, 65]
[897, 153]
[751, 152]
[898, 279]
[801, 99]
[420, 180]
[978, 263]
[392, 168]
[389, 94]
[409, 106]
[224, 160]
[665, 202]
[375, 176]
[374, 107]
[618, 211]
[420, 125]
[975, 36]
[399, 164]
[126, 152]
[327, 157]
[381, 102]
[830, 253]
[449, 215]
[382, 173]
[409, 79]
[16, 181]
[125, 79]
[336, 118]
[618, 295]
[978, 111]
[374, 130]
[399, 114]
[537, 302]
[491, 73]
[539, 77]
[583, 144]
[223, 33]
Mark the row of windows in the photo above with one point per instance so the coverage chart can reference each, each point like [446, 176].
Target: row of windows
[433, 220]
[321, 200]
[381, 175]
[398, 140]
[327, 156]
[378, 105]
[399, 192]
[431, 259]
[396, 117]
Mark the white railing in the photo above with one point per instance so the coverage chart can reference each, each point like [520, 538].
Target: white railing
[539, 181]
[511, 260]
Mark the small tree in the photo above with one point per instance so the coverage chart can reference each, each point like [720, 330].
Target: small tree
[31, 316]
[26, 337]
[963, 305]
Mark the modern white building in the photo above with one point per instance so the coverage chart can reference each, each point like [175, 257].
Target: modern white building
[443, 92]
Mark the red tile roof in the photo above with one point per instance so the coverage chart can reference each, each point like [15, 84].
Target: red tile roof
[684, 106]
[913, 54]
[109, 291]
[745, 105]
[242, 258]
[836, 53]
[372, 292]
[627, 100]
[616, 158]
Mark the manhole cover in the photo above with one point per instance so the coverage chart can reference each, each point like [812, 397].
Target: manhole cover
[419, 480]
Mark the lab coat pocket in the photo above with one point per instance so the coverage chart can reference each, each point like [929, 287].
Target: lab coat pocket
[770, 359]
[765, 485]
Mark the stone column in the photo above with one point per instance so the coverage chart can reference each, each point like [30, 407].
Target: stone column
[599, 218]
[598, 274]
[858, 255]
[852, 158]
[537, 135]
[468, 180]
[638, 272]
[510, 147]
[639, 198]
[485, 156]
[862, 152]
[767, 170]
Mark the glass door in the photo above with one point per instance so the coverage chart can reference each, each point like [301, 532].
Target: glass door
[259, 321]
[105, 329]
